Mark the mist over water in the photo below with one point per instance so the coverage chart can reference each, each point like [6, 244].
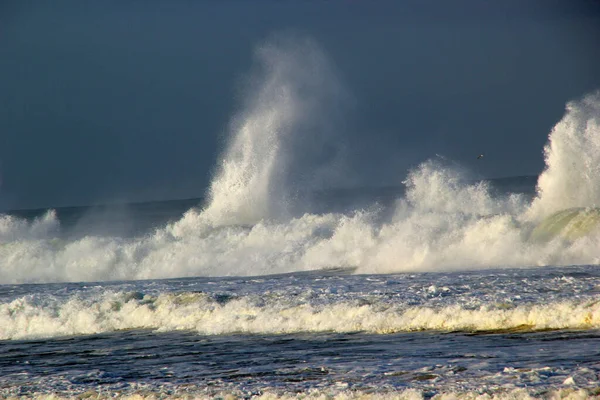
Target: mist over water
[277, 140]
[284, 142]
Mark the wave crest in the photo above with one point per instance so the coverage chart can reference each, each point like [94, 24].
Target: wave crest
[28, 317]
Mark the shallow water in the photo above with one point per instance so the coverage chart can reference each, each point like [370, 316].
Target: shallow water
[463, 332]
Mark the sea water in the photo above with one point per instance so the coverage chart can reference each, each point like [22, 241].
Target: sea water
[501, 332]
[284, 283]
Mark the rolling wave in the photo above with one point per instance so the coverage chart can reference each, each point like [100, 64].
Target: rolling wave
[27, 317]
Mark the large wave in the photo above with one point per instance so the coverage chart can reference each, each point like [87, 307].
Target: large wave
[572, 175]
[250, 224]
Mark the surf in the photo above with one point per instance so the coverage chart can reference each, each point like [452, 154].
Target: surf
[570, 224]
[275, 148]
[256, 220]
[277, 312]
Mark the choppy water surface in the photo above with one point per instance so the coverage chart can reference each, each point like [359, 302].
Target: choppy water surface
[446, 285]
[479, 332]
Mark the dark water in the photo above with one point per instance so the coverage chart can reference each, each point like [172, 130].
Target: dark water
[179, 362]
[523, 332]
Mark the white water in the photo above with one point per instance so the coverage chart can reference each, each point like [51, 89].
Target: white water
[572, 175]
[248, 226]
[562, 298]
[287, 116]
[340, 394]
[27, 317]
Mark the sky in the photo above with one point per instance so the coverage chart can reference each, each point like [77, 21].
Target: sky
[132, 100]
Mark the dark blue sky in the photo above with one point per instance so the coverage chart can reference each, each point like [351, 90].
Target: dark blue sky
[129, 100]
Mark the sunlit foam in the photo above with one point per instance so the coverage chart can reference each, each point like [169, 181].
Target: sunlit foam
[249, 227]
[572, 160]
[29, 317]
[277, 138]
[333, 393]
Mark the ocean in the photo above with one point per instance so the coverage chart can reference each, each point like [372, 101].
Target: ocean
[285, 282]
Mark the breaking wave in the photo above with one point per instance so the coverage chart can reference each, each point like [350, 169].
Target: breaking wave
[285, 125]
[572, 161]
[43, 317]
[280, 141]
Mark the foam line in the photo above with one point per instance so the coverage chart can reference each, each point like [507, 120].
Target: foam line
[26, 318]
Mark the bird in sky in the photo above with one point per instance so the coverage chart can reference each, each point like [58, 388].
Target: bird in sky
[479, 157]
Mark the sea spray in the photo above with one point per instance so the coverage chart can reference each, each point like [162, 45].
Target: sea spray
[285, 123]
[14, 229]
[441, 187]
[572, 174]
[444, 222]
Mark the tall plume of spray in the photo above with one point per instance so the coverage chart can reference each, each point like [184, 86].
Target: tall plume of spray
[572, 174]
[280, 144]
[278, 141]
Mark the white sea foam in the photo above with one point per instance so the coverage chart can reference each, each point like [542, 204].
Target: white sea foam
[571, 178]
[14, 229]
[333, 394]
[248, 226]
[29, 317]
